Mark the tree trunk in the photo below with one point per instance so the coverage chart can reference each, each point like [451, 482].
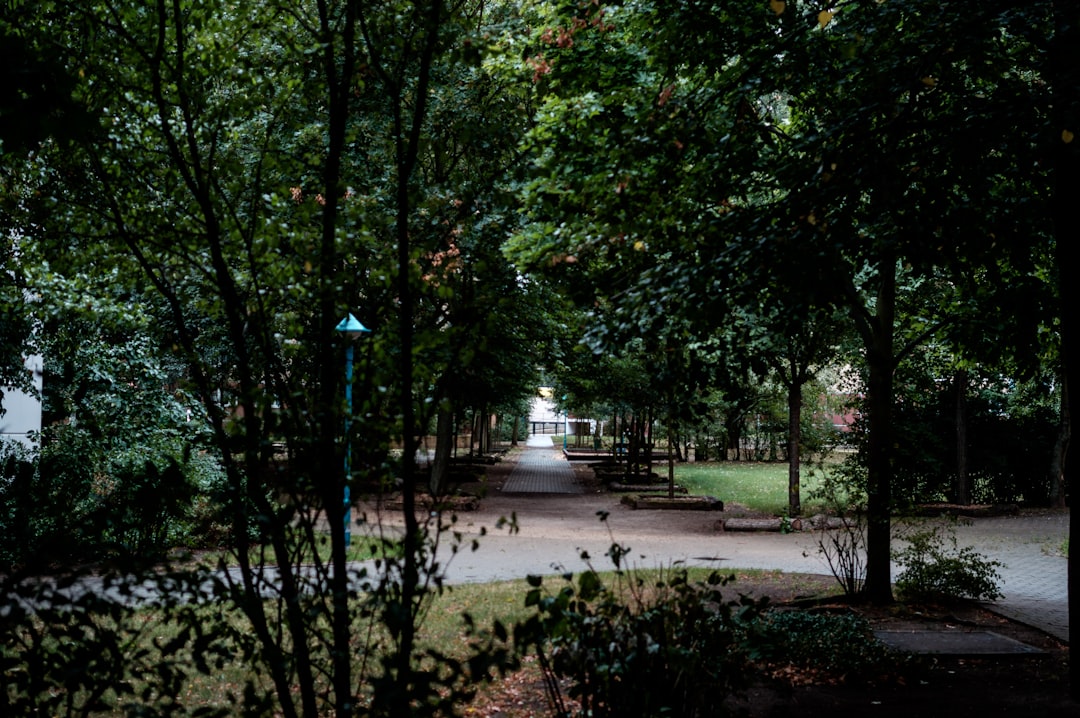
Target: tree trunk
[1061, 448]
[671, 463]
[961, 490]
[483, 434]
[338, 116]
[794, 442]
[734, 426]
[491, 429]
[1065, 66]
[408, 121]
[880, 357]
[444, 440]
[514, 433]
[472, 434]
[647, 440]
[615, 437]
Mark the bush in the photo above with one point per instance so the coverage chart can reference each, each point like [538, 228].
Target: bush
[70, 501]
[936, 568]
[1011, 426]
[16, 482]
[843, 546]
[82, 653]
[668, 648]
[841, 645]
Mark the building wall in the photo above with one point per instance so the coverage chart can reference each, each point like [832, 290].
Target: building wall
[543, 409]
[22, 411]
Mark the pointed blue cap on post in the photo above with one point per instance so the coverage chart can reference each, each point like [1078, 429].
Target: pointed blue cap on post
[351, 325]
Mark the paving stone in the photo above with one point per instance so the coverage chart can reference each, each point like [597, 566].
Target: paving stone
[540, 471]
[1033, 575]
[955, 643]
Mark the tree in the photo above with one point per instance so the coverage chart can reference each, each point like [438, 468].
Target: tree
[800, 149]
[1065, 79]
[899, 213]
[255, 172]
[15, 324]
[120, 459]
[487, 323]
[35, 102]
[796, 345]
[35, 89]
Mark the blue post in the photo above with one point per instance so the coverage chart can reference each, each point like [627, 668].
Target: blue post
[566, 424]
[352, 329]
[348, 422]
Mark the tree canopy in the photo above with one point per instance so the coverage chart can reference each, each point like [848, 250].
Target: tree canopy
[247, 174]
[665, 204]
[886, 160]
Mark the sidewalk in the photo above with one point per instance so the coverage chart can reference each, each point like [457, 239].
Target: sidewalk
[538, 472]
[558, 522]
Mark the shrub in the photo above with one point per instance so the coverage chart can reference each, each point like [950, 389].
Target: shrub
[70, 501]
[668, 648]
[16, 483]
[842, 543]
[936, 568]
[841, 645]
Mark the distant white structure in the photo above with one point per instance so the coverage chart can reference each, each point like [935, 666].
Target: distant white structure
[543, 408]
[22, 411]
[543, 417]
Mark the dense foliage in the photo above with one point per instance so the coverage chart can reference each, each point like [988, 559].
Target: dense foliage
[645, 645]
[936, 568]
[737, 202]
[671, 647]
[882, 166]
[246, 175]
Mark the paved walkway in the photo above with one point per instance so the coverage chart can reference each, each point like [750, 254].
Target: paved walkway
[555, 532]
[539, 472]
[559, 531]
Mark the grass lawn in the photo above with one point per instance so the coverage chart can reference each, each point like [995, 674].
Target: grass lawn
[156, 644]
[758, 485]
[761, 486]
[362, 548]
[505, 601]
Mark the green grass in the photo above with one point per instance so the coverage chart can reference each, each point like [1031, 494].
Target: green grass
[505, 601]
[145, 636]
[761, 486]
[758, 485]
[361, 548]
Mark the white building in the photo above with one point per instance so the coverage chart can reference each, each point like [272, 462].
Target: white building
[21, 415]
[543, 417]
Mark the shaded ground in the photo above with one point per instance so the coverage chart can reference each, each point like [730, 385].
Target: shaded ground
[957, 686]
[1013, 685]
